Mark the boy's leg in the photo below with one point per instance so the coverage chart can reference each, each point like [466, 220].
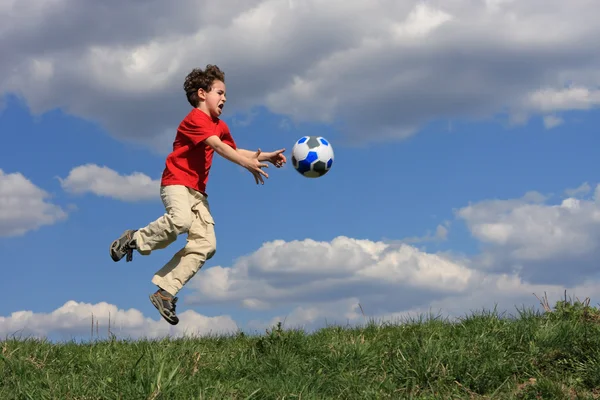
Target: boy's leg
[161, 232]
[200, 247]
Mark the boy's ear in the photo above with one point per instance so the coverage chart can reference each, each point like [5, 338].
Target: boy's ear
[201, 94]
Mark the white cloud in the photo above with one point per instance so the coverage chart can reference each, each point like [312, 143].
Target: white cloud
[531, 246]
[422, 20]
[308, 271]
[534, 231]
[573, 98]
[543, 242]
[401, 63]
[103, 181]
[24, 206]
[74, 319]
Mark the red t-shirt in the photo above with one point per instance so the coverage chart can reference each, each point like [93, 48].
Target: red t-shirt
[190, 161]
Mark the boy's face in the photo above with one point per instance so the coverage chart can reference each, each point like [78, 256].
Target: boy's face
[214, 100]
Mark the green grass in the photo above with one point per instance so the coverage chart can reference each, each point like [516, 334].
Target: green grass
[550, 355]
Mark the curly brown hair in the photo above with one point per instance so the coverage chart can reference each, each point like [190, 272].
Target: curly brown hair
[199, 79]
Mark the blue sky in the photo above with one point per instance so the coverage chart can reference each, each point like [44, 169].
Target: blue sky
[383, 189]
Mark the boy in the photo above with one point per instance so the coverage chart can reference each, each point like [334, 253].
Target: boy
[183, 190]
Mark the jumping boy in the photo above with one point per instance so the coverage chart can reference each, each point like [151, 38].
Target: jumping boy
[183, 190]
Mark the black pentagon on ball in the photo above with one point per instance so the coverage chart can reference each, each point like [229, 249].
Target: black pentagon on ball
[313, 142]
[320, 167]
[303, 166]
[294, 161]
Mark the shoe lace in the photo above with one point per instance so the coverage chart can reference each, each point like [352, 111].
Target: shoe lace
[129, 253]
[128, 248]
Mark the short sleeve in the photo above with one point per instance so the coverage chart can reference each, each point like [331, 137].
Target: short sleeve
[226, 136]
[196, 129]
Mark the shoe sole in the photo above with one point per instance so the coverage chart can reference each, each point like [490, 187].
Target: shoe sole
[113, 248]
[157, 304]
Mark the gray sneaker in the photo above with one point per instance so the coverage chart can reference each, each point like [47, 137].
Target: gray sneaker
[123, 246]
[165, 306]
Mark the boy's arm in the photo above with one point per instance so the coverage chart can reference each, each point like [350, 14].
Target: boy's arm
[227, 151]
[250, 162]
[274, 157]
[249, 153]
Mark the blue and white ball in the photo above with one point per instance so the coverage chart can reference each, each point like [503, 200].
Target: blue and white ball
[312, 156]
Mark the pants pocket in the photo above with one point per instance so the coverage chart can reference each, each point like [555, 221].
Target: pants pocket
[203, 211]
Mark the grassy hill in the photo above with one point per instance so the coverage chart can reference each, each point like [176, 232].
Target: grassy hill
[532, 355]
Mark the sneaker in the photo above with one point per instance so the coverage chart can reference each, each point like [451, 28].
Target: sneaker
[123, 246]
[165, 306]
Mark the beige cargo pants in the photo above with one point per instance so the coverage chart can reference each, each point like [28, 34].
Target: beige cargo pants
[186, 211]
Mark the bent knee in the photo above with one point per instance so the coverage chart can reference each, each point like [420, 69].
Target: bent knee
[182, 220]
[211, 249]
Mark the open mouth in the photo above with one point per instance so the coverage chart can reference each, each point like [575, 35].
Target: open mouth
[221, 106]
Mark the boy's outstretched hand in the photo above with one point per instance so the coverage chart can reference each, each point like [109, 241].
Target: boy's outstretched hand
[277, 158]
[255, 167]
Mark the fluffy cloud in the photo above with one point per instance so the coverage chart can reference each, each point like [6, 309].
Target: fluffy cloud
[530, 246]
[103, 181]
[401, 63]
[328, 279]
[385, 276]
[573, 98]
[74, 319]
[543, 242]
[24, 206]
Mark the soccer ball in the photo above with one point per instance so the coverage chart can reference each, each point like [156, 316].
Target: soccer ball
[312, 156]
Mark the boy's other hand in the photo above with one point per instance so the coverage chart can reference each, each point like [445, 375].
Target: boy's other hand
[277, 158]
